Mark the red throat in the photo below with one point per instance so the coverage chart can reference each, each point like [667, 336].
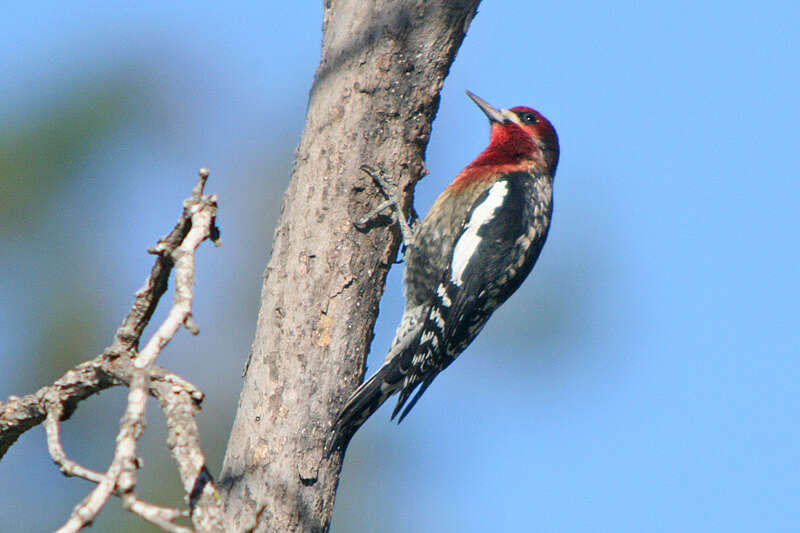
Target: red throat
[508, 144]
[510, 149]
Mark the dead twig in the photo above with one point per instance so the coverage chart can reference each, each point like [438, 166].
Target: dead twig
[120, 364]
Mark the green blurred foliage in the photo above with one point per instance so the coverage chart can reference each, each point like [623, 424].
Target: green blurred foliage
[39, 156]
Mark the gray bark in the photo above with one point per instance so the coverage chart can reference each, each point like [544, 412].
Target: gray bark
[374, 96]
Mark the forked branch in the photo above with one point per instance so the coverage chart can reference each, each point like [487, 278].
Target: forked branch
[121, 364]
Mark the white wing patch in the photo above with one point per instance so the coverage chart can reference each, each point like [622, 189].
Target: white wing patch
[436, 316]
[442, 292]
[469, 240]
[428, 335]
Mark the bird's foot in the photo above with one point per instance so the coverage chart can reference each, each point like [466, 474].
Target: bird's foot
[392, 194]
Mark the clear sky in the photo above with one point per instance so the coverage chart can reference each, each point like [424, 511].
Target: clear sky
[645, 378]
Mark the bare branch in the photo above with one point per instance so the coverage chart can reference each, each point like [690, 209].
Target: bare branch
[67, 466]
[183, 440]
[20, 414]
[162, 517]
[130, 331]
[120, 364]
[202, 217]
[120, 472]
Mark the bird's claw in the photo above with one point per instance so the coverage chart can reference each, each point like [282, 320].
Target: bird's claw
[377, 176]
[392, 194]
[362, 223]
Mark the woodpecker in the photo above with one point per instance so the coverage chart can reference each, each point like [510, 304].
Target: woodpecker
[472, 250]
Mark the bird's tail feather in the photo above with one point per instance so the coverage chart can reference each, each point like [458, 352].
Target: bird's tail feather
[363, 402]
[406, 393]
[390, 377]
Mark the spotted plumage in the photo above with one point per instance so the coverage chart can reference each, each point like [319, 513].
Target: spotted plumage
[472, 250]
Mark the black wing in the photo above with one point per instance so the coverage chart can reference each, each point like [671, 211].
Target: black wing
[495, 251]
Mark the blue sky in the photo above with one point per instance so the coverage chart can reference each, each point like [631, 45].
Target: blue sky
[643, 379]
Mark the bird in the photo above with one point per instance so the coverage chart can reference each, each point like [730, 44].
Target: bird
[471, 251]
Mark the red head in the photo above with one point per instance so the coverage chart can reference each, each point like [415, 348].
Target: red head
[521, 138]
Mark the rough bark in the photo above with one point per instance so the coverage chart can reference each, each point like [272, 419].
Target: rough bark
[375, 94]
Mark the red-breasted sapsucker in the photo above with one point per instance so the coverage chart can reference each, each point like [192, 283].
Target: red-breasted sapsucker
[466, 257]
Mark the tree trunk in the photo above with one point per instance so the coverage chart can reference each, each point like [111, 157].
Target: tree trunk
[375, 94]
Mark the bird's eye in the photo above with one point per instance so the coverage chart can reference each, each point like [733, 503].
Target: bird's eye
[530, 118]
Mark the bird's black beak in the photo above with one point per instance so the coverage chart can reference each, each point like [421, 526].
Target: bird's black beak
[494, 115]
